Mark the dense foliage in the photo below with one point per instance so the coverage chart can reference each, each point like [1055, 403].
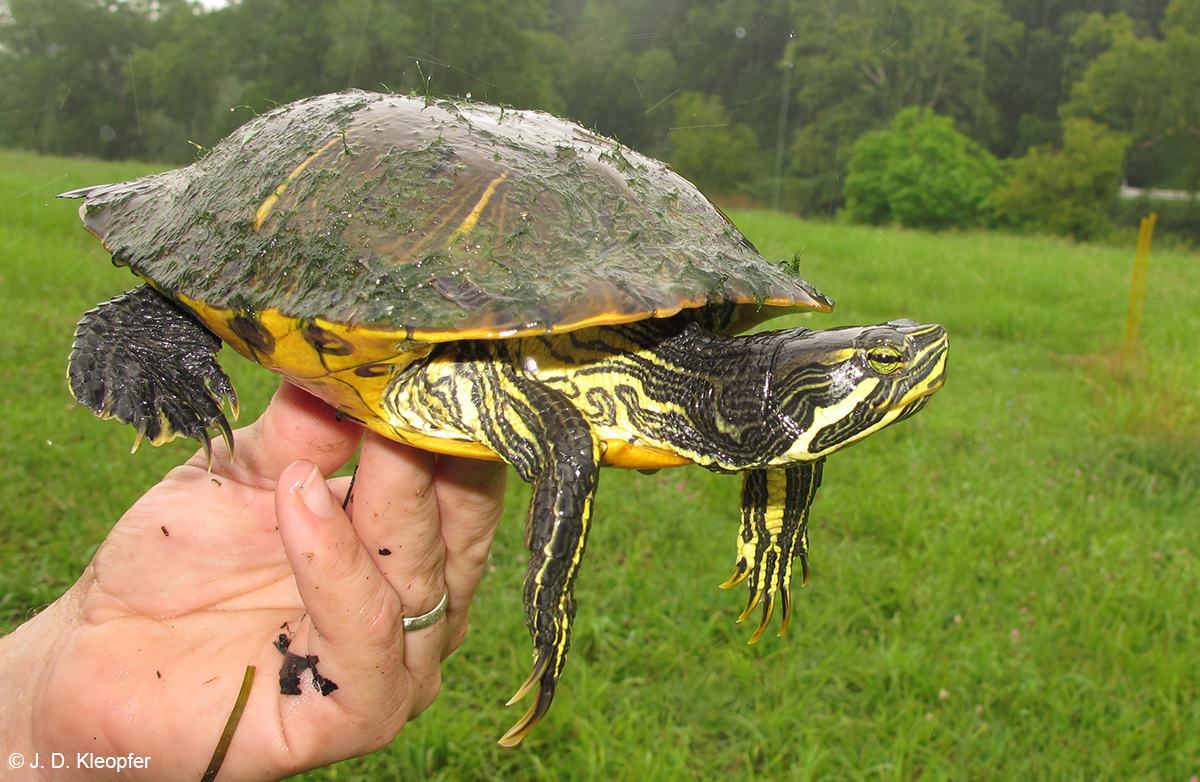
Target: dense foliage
[921, 173]
[706, 149]
[764, 97]
[1068, 190]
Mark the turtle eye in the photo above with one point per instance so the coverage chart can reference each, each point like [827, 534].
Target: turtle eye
[885, 359]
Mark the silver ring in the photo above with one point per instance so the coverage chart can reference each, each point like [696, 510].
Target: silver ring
[413, 623]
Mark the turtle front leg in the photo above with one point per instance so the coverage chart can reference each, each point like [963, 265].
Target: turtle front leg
[544, 436]
[774, 532]
[140, 359]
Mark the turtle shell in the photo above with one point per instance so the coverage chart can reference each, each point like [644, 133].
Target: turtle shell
[432, 221]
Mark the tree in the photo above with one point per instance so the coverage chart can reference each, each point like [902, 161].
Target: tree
[185, 86]
[1148, 89]
[732, 49]
[1029, 86]
[859, 62]
[921, 173]
[620, 81]
[1067, 191]
[716, 155]
[494, 50]
[66, 82]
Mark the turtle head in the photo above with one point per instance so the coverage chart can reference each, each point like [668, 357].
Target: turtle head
[832, 388]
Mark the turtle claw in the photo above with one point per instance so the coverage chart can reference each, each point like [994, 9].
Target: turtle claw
[785, 598]
[754, 598]
[768, 609]
[544, 684]
[227, 436]
[539, 668]
[738, 576]
[773, 537]
[230, 398]
[206, 444]
[537, 710]
[138, 438]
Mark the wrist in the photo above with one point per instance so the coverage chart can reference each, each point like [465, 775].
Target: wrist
[32, 743]
[26, 655]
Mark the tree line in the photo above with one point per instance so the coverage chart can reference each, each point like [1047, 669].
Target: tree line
[759, 98]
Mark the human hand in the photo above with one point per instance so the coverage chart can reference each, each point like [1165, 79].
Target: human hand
[145, 654]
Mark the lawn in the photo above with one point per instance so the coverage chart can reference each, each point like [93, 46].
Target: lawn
[1003, 587]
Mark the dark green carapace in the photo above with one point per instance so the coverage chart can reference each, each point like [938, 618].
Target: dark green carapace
[498, 284]
[407, 214]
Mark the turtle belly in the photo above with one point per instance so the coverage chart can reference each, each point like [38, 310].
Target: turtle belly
[351, 368]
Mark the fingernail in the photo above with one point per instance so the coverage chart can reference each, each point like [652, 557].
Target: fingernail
[314, 493]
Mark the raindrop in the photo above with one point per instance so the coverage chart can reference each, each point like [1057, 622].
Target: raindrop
[107, 133]
[740, 32]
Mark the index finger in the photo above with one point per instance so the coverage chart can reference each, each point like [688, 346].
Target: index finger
[296, 425]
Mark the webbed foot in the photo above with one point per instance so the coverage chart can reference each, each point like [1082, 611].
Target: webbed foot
[142, 360]
[774, 533]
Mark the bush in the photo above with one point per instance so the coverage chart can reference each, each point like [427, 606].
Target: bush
[1067, 191]
[921, 173]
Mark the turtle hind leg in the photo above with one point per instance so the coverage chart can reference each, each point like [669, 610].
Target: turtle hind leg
[775, 505]
[547, 440]
[563, 472]
[144, 361]
[475, 386]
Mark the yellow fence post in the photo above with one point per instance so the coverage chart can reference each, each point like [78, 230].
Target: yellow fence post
[1137, 291]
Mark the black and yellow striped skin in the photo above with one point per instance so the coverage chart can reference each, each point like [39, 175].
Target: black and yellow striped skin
[775, 505]
[351, 367]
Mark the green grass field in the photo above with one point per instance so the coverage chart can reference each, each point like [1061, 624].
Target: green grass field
[1004, 587]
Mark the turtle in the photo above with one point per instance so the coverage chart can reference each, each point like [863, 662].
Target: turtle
[495, 283]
